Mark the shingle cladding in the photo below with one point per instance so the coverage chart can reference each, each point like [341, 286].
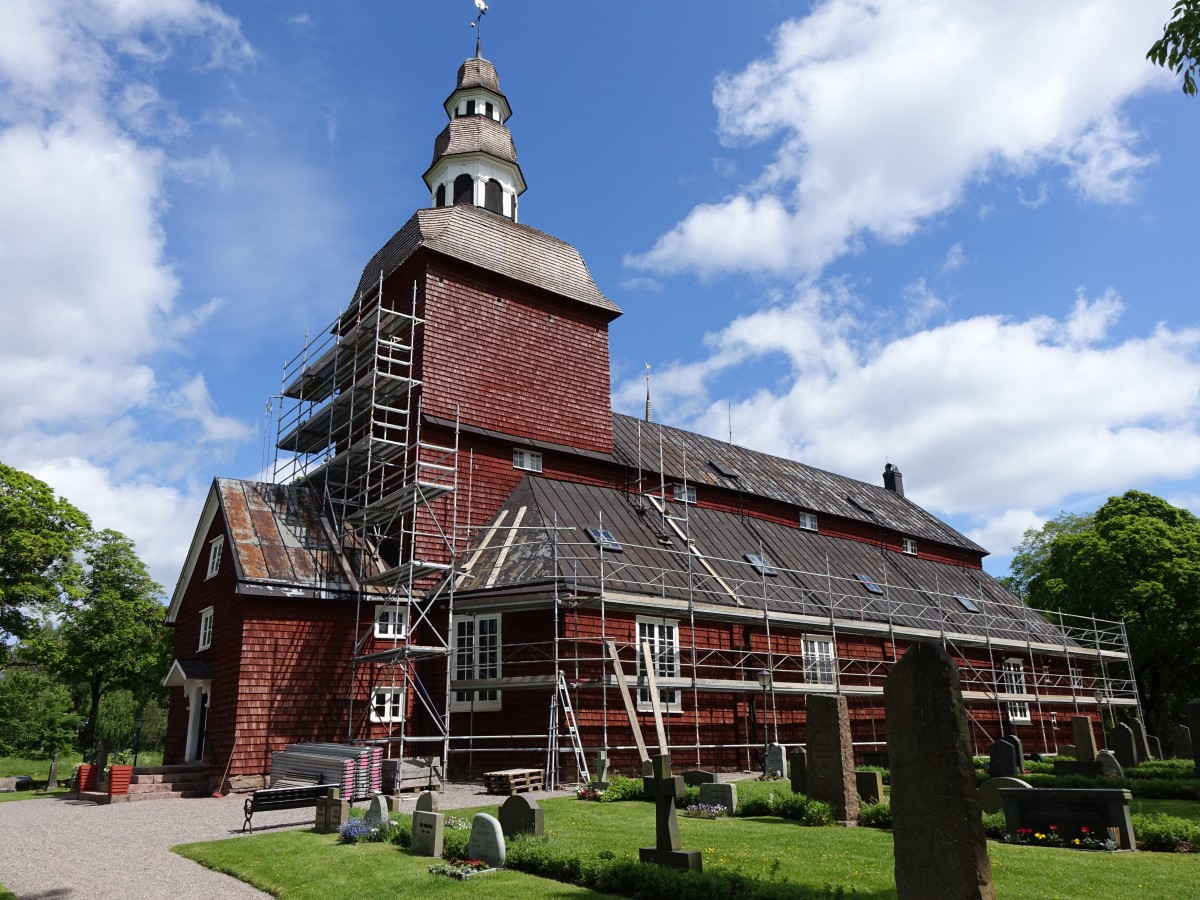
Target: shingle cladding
[475, 134]
[690, 455]
[816, 574]
[278, 537]
[494, 243]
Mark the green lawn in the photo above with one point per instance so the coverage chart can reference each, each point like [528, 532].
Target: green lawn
[13, 796]
[1182, 809]
[301, 864]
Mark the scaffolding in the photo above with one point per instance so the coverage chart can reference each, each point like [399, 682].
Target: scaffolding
[350, 427]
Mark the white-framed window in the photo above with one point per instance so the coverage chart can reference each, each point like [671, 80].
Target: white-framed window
[1014, 683]
[761, 564]
[476, 655]
[684, 493]
[808, 521]
[527, 460]
[387, 704]
[818, 659]
[604, 539]
[214, 555]
[663, 637]
[206, 625]
[391, 620]
[910, 546]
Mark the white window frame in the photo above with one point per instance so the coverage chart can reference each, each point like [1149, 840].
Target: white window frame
[684, 493]
[214, 556]
[527, 460]
[663, 635]
[1014, 683]
[808, 521]
[391, 621]
[471, 661]
[387, 704]
[909, 546]
[820, 660]
[206, 628]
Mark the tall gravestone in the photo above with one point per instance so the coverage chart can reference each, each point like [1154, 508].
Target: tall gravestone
[428, 833]
[1142, 741]
[831, 756]
[937, 828]
[663, 787]
[1179, 743]
[378, 810]
[798, 770]
[869, 786]
[1002, 760]
[1193, 719]
[487, 841]
[1085, 739]
[1018, 751]
[1124, 745]
[777, 760]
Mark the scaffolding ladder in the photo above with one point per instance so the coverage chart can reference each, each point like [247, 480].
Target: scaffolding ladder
[562, 698]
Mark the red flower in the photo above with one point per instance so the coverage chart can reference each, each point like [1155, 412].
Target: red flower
[1054, 828]
[1085, 829]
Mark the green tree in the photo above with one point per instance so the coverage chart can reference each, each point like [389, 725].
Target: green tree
[1179, 47]
[1029, 556]
[1139, 560]
[39, 536]
[37, 717]
[113, 638]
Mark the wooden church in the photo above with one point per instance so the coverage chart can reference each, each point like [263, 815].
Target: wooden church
[466, 554]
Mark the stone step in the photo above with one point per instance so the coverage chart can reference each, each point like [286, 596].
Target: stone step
[196, 777]
[181, 769]
[164, 795]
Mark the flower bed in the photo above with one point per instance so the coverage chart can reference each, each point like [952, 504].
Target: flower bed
[462, 869]
[706, 811]
[1084, 839]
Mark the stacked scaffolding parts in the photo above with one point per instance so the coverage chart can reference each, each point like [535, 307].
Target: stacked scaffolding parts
[349, 427]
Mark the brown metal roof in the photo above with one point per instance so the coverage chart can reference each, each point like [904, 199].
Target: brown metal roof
[700, 459]
[278, 536]
[494, 243]
[815, 573]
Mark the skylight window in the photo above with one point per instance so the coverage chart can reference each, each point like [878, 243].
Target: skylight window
[762, 564]
[869, 583]
[968, 604]
[604, 539]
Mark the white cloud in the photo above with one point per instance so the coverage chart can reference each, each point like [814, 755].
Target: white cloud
[956, 258]
[886, 110]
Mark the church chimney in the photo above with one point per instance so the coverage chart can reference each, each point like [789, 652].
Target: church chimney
[893, 480]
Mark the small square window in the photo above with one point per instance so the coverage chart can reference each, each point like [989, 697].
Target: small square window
[968, 604]
[214, 556]
[387, 704]
[684, 493]
[869, 583]
[808, 521]
[762, 564]
[527, 460]
[206, 628]
[910, 546]
[604, 538]
[391, 621]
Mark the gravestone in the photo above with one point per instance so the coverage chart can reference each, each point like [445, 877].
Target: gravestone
[1019, 751]
[989, 792]
[1193, 719]
[869, 786]
[1068, 750]
[1110, 767]
[1085, 738]
[1124, 745]
[696, 777]
[663, 787]
[427, 801]
[937, 829]
[487, 841]
[1179, 742]
[777, 760]
[831, 756]
[377, 810]
[1142, 741]
[798, 770]
[720, 794]
[428, 832]
[332, 812]
[1002, 760]
[1103, 812]
[520, 814]
[601, 778]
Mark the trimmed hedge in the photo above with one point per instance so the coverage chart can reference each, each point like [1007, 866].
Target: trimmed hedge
[1166, 834]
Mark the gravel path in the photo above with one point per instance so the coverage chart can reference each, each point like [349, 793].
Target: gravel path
[64, 850]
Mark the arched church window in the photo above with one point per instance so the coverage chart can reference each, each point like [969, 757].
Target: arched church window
[493, 196]
[464, 189]
[441, 196]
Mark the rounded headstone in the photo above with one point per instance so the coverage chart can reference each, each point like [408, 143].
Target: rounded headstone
[989, 792]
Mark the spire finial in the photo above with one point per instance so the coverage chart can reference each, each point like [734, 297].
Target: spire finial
[483, 8]
[649, 415]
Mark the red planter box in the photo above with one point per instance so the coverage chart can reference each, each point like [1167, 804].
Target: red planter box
[118, 780]
[87, 777]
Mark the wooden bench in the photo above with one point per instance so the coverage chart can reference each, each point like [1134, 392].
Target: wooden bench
[284, 798]
[513, 781]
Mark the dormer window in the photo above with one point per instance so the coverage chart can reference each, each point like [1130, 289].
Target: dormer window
[214, 556]
[527, 460]
[684, 493]
[808, 521]
[910, 546]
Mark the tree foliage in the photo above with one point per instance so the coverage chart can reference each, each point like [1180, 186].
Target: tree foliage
[1137, 558]
[1179, 47]
[37, 716]
[39, 536]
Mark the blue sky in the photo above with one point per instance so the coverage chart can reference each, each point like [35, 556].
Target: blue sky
[956, 237]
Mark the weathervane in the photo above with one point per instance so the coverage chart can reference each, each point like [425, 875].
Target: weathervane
[483, 8]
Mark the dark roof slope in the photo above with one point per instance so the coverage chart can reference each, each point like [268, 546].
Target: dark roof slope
[815, 575]
[491, 242]
[690, 455]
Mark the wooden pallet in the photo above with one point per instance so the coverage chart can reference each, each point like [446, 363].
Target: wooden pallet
[513, 781]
